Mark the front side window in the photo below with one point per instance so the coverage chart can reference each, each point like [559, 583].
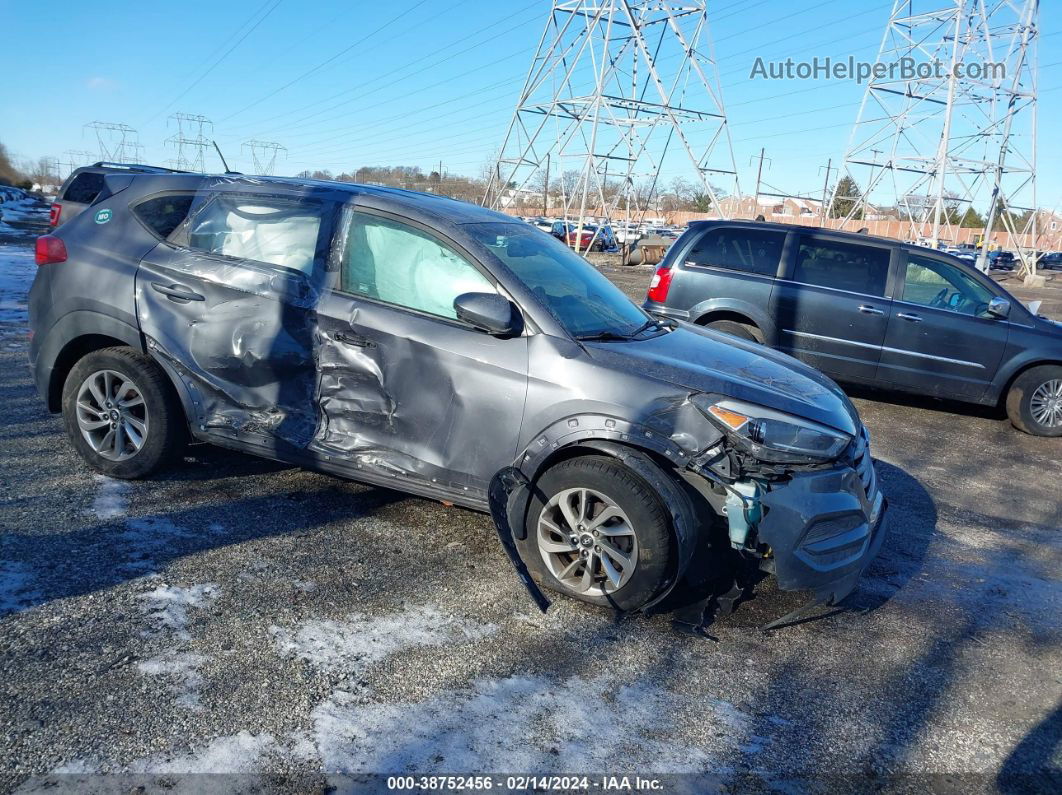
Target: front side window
[843, 266]
[580, 298]
[277, 230]
[401, 265]
[746, 250]
[928, 282]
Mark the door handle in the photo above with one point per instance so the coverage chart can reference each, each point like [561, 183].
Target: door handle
[354, 339]
[908, 316]
[176, 292]
[866, 309]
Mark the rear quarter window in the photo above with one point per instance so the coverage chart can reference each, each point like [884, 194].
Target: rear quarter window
[84, 188]
[163, 214]
[746, 250]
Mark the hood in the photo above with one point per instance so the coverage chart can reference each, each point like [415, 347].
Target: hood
[701, 360]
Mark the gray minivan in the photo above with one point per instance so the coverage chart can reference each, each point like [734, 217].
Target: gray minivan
[867, 310]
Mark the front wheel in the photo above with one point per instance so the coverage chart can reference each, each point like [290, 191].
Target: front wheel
[1034, 403]
[121, 414]
[597, 532]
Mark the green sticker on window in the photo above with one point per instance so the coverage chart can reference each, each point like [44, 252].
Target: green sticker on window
[103, 216]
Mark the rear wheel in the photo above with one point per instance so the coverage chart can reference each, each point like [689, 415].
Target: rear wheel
[745, 331]
[121, 414]
[597, 532]
[1034, 403]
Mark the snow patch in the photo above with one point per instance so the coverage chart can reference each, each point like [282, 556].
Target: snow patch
[182, 668]
[492, 726]
[112, 499]
[16, 588]
[167, 607]
[352, 645]
[17, 269]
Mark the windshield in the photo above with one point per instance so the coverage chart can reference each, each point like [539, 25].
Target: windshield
[583, 301]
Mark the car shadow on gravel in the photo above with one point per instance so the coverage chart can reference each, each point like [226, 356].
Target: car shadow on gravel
[925, 402]
[130, 546]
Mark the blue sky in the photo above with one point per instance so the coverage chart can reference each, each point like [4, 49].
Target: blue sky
[438, 82]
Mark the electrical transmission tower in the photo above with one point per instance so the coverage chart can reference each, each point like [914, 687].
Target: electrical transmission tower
[117, 142]
[191, 140]
[616, 85]
[264, 155]
[75, 158]
[954, 131]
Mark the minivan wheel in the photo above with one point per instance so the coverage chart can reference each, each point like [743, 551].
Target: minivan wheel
[597, 532]
[121, 414]
[735, 329]
[1034, 403]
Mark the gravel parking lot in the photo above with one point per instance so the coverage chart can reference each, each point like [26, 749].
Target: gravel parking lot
[240, 616]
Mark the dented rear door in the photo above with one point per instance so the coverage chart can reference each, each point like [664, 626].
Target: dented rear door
[229, 301]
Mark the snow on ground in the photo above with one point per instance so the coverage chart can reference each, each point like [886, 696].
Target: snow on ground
[519, 723]
[167, 607]
[112, 499]
[17, 269]
[352, 645]
[182, 670]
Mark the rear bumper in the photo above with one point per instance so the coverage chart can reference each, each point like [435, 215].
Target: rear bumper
[824, 528]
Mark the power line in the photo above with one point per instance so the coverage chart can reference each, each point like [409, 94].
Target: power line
[327, 61]
[225, 55]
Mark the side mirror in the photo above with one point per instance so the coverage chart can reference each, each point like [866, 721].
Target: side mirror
[999, 307]
[490, 312]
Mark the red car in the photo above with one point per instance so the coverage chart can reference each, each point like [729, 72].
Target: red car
[570, 235]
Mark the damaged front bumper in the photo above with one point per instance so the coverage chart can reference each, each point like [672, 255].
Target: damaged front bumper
[816, 530]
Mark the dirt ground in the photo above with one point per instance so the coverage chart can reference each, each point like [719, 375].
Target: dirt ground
[235, 616]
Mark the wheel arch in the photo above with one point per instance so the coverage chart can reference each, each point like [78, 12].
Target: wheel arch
[737, 311]
[73, 337]
[1000, 397]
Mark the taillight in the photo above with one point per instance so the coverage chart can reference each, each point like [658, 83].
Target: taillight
[660, 284]
[50, 249]
[53, 215]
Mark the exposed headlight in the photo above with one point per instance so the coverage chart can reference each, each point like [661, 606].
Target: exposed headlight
[770, 435]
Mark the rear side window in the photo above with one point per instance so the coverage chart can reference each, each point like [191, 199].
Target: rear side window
[746, 250]
[842, 266]
[163, 214]
[85, 187]
[276, 230]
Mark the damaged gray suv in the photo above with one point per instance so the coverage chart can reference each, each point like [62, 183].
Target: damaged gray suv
[426, 345]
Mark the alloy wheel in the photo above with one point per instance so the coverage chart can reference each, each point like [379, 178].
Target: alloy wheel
[112, 415]
[587, 542]
[1045, 405]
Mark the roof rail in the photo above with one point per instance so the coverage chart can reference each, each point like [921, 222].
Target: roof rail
[139, 167]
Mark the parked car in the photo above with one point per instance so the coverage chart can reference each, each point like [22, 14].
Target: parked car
[431, 346]
[870, 311]
[84, 184]
[1050, 260]
[627, 234]
[1000, 260]
[590, 237]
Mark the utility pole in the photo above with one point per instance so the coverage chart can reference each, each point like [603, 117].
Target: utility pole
[545, 191]
[626, 83]
[825, 192]
[759, 174]
[264, 156]
[117, 142]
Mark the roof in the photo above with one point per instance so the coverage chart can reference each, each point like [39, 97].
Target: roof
[818, 230]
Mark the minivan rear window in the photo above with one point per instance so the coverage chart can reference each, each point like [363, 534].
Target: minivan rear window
[850, 267]
[747, 250]
[85, 187]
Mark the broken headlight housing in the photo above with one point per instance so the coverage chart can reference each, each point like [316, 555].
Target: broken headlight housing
[770, 435]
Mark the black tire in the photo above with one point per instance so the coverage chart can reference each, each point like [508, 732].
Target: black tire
[166, 431]
[643, 507]
[743, 331]
[1020, 398]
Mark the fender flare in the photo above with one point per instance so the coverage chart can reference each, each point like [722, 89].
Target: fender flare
[509, 493]
[67, 330]
[755, 314]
